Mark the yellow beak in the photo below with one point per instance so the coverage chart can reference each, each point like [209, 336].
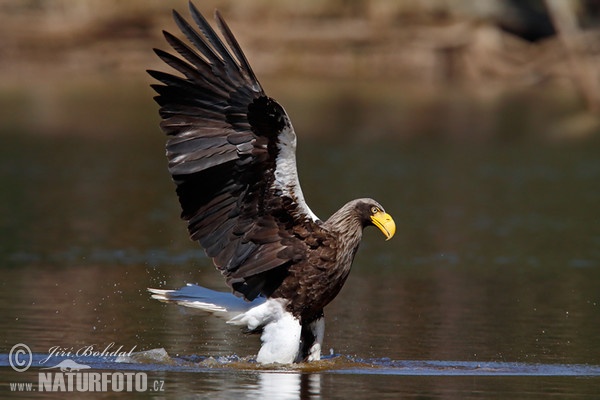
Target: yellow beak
[385, 223]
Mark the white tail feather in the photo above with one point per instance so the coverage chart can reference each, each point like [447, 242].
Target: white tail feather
[281, 330]
[221, 304]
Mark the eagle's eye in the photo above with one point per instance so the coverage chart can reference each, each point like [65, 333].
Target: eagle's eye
[375, 210]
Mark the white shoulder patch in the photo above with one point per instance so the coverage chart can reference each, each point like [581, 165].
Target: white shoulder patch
[286, 174]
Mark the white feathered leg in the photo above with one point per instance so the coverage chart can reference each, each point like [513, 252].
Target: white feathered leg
[280, 341]
[281, 331]
[318, 330]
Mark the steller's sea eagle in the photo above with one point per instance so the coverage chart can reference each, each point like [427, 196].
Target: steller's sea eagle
[232, 156]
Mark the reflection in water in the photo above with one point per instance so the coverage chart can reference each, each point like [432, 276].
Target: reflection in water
[287, 386]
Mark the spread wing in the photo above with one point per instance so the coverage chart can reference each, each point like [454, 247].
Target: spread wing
[231, 152]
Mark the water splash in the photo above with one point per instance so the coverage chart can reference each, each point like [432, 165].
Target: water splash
[160, 360]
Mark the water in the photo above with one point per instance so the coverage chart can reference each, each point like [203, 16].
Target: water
[489, 289]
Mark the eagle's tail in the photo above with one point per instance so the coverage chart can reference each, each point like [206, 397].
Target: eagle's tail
[280, 330]
[221, 304]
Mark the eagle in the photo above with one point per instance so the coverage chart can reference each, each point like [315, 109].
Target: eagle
[231, 152]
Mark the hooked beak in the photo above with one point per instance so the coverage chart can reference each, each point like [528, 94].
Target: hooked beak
[385, 223]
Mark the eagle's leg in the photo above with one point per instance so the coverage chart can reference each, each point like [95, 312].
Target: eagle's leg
[281, 331]
[312, 340]
[280, 340]
[318, 330]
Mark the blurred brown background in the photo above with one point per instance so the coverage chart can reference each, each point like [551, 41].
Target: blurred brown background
[425, 49]
[491, 41]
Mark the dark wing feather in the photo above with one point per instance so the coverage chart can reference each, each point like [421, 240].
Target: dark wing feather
[224, 148]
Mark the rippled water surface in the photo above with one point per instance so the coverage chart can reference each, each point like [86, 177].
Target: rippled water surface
[489, 289]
